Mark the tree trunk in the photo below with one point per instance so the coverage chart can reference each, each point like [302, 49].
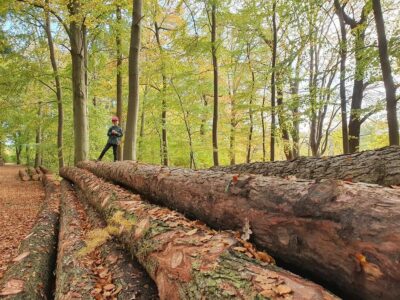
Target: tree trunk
[215, 71]
[273, 83]
[186, 259]
[251, 127]
[18, 150]
[38, 154]
[391, 101]
[100, 269]
[119, 75]
[283, 122]
[31, 275]
[60, 111]
[133, 103]
[164, 150]
[343, 59]
[142, 119]
[333, 230]
[358, 29]
[81, 126]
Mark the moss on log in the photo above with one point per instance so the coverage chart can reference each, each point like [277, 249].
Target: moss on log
[31, 275]
[344, 234]
[186, 259]
[381, 166]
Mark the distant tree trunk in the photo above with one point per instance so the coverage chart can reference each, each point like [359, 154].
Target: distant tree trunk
[391, 102]
[282, 121]
[77, 40]
[273, 83]
[119, 74]
[215, 68]
[133, 103]
[28, 155]
[38, 154]
[204, 116]
[294, 90]
[164, 144]
[264, 133]
[233, 122]
[343, 59]
[60, 124]
[18, 150]
[185, 114]
[142, 119]
[251, 126]
[358, 30]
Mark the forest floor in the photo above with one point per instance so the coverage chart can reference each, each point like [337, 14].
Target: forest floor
[19, 205]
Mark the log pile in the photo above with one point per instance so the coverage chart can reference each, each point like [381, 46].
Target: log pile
[34, 174]
[31, 274]
[186, 259]
[343, 232]
[380, 166]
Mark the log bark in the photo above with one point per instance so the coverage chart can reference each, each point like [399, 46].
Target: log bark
[23, 175]
[342, 233]
[103, 272]
[379, 166]
[186, 259]
[30, 277]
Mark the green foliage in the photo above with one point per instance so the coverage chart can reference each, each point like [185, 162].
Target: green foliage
[184, 55]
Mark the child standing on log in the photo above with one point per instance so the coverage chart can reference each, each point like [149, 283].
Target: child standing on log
[114, 139]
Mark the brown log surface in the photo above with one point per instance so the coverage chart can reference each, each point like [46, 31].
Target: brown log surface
[31, 274]
[347, 234]
[186, 259]
[381, 166]
[23, 175]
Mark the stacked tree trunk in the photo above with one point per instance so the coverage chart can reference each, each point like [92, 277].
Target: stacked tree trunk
[30, 276]
[346, 233]
[89, 266]
[186, 259]
[380, 166]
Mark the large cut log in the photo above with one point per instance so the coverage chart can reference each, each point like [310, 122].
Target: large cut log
[23, 175]
[30, 276]
[186, 259]
[343, 233]
[380, 166]
[89, 266]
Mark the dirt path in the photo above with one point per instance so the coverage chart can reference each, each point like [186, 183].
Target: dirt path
[19, 204]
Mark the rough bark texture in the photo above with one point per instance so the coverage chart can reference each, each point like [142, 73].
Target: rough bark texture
[215, 82]
[133, 98]
[101, 272]
[381, 166]
[31, 275]
[186, 259]
[390, 88]
[343, 233]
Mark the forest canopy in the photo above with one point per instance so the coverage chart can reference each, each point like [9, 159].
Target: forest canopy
[219, 81]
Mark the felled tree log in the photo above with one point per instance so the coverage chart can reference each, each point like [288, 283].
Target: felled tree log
[103, 270]
[23, 175]
[186, 259]
[344, 233]
[30, 276]
[380, 166]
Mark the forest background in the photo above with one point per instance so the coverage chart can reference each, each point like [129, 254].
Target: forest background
[294, 78]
